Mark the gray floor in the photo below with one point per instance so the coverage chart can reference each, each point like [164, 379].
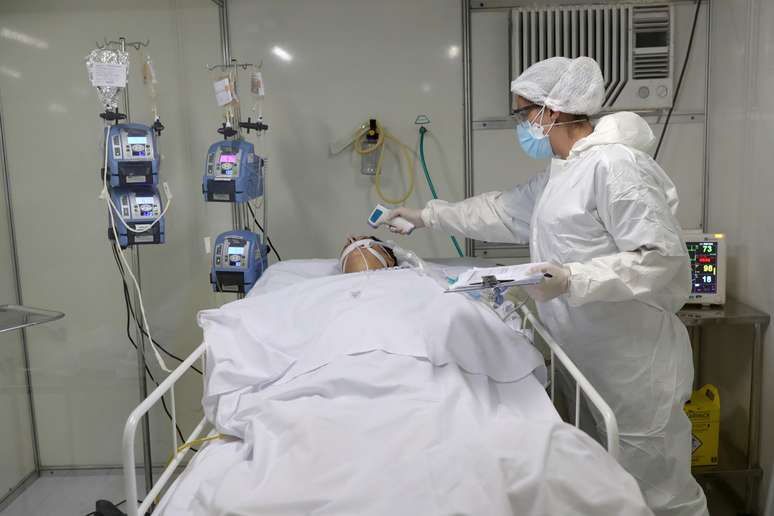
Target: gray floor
[74, 494]
[67, 495]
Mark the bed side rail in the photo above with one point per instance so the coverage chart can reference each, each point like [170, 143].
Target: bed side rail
[582, 385]
[133, 507]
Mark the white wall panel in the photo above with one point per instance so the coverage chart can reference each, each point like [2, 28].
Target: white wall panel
[83, 368]
[741, 181]
[352, 60]
[682, 157]
[489, 60]
[16, 441]
[694, 85]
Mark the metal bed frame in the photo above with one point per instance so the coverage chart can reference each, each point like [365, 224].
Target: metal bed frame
[137, 508]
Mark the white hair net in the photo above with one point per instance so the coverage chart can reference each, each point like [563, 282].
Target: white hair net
[566, 85]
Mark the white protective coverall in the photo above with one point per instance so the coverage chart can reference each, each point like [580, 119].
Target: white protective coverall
[607, 213]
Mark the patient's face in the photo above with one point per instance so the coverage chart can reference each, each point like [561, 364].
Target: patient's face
[361, 259]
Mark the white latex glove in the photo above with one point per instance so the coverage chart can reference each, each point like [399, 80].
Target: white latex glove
[410, 214]
[549, 288]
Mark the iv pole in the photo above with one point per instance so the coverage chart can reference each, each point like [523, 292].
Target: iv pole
[239, 212]
[139, 335]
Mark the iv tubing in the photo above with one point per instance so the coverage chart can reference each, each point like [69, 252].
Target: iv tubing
[106, 193]
[422, 132]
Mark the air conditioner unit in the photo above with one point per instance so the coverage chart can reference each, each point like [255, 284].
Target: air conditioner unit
[633, 44]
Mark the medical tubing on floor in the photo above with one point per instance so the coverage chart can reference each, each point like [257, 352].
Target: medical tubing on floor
[429, 180]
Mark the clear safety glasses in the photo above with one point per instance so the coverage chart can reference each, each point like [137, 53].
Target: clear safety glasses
[520, 115]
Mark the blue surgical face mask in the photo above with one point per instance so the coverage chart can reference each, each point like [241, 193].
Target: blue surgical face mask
[533, 140]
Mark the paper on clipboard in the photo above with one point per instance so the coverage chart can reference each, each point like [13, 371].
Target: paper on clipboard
[509, 276]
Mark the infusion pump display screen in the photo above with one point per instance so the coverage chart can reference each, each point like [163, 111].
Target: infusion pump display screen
[228, 164]
[236, 251]
[704, 267]
[138, 145]
[146, 205]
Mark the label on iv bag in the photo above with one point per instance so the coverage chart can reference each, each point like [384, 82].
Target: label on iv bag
[106, 75]
[256, 84]
[223, 94]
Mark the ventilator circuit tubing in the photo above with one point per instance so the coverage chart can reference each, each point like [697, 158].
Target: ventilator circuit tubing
[422, 131]
[382, 137]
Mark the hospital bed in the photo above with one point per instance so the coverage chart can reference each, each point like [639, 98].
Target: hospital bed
[555, 356]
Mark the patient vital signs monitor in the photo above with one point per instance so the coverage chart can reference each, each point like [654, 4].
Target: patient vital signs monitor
[133, 157]
[238, 261]
[232, 172]
[707, 252]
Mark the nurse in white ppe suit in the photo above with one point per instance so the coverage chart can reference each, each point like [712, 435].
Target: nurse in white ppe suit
[602, 217]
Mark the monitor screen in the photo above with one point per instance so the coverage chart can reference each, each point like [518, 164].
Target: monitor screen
[377, 213]
[140, 140]
[144, 200]
[228, 164]
[236, 255]
[704, 267]
[137, 146]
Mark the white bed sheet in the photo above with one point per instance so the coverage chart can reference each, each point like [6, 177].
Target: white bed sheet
[222, 474]
[290, 272]
[402, 427]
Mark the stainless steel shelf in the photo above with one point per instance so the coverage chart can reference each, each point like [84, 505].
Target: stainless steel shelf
[732, 313]
[16, 317]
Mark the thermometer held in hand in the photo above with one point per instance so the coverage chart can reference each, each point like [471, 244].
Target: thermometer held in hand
[379, 216]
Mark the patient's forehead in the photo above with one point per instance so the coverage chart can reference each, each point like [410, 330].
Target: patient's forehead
[358, 261]
[351, 239]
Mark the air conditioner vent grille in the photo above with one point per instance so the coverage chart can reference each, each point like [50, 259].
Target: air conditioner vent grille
[630, 42]
[650, 28]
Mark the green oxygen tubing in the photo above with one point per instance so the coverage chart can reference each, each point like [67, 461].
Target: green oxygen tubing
[422, 131]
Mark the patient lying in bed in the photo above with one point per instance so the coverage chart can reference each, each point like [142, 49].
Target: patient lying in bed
[379, 394]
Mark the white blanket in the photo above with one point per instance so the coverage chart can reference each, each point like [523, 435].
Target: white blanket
[378, 394]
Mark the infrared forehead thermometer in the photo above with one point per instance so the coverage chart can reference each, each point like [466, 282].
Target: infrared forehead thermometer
[379, 216]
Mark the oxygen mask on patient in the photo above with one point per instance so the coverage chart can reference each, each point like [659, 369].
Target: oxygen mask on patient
[406, 257]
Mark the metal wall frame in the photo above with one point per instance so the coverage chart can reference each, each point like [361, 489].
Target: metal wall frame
[467, 111]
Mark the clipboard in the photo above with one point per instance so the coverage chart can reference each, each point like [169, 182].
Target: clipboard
[492, 282]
